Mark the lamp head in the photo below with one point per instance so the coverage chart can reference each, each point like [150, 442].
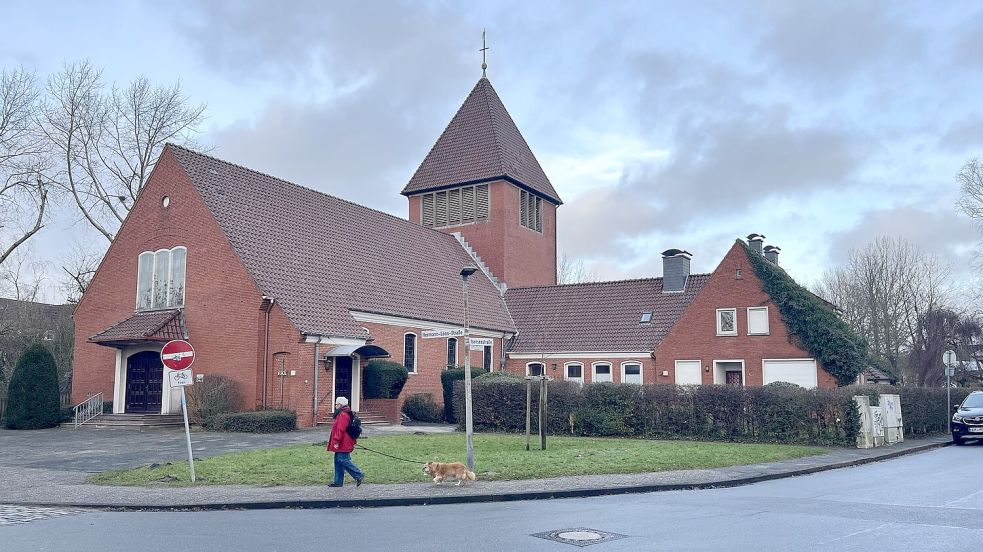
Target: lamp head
[467, 271]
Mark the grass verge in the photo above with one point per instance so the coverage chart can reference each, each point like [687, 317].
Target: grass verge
[497, 457]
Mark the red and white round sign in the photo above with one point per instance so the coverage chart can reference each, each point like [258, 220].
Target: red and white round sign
[177, 354]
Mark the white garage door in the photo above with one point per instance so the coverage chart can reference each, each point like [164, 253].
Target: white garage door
[688, 372]
[798, 371]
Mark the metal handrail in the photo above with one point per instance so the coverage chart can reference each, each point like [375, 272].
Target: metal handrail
[88, 409]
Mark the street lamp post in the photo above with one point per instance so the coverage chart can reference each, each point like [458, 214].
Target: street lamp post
[468, 419]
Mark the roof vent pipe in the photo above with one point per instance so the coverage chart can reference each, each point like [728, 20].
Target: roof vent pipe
[771, 253]
[675, 270]
[756, 241]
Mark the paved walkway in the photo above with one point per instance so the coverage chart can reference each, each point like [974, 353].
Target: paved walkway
[50, 467]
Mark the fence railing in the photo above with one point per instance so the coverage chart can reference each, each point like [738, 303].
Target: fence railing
[89, 409]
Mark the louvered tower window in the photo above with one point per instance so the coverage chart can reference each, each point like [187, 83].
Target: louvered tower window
[454, 207]
[530, 211]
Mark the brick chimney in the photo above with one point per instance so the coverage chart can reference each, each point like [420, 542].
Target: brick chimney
[675, 270]
[771, 253]
[755, 241]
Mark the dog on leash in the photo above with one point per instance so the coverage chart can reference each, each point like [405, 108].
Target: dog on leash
[454, 470]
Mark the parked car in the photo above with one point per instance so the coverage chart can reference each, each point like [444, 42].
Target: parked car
[967, 422]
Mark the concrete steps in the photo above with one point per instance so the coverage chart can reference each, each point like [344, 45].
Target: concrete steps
[133, 421]
[368, 417]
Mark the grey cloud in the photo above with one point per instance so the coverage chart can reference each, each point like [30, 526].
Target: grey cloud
[966, 133]
[968, 47]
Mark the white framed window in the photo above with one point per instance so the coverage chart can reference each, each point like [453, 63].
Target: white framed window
[161, 278]
[452, 351]
[486, 361]
[688, 372]
[601, 372]
[726, 321]
[409, 352]
[757, 320]
[631, 372]
[574, 371]
[535, 368]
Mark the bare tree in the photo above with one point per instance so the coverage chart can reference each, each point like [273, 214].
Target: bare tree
[79, 268]
[882, 293]
[106, 143]
[939, 330]
[573, 271]
[23, 189]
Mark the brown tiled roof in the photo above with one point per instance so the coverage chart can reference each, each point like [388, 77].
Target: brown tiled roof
[481, 143]
[597, 317]
[320, 256]
[163, 325]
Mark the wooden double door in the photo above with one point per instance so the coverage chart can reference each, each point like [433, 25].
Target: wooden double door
[144, 382]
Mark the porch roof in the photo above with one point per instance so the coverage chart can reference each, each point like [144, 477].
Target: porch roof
[162, 326]
[363, 350]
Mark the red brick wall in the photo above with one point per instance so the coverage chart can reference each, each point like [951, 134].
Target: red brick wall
[222, 302]
[515, 254]
[694, 336]
[555, 367]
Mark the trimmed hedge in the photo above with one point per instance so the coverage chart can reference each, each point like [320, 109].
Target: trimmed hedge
[447, 379]
[384, 379]
[32, 396]
[422, 408]
[259, 421]
[775, 414]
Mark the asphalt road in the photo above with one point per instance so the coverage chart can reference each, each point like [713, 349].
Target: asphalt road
[927, 501]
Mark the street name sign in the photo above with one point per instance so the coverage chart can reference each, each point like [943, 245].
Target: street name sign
[453, 332]
[479, 343]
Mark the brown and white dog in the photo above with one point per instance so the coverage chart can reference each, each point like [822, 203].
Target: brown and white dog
[453, 470]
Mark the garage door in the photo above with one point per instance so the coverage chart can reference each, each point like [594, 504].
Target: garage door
[798, 371]
[688, 372]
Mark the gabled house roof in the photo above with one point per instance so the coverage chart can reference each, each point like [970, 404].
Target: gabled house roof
[480, 144]
[597, 317]
[320, 256]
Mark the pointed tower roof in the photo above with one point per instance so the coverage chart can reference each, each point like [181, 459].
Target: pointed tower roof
[481, 143]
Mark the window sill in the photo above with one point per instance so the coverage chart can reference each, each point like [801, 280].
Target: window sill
[727, 334]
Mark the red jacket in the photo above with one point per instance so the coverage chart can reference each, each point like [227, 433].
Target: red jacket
[341, 441]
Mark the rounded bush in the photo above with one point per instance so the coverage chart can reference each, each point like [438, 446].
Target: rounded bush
[212, 396]
[384, 379]
[422, 408]
[32, 396]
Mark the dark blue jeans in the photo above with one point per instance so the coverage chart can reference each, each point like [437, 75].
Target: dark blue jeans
[343, 463]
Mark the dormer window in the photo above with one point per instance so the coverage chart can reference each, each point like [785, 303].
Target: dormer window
[646, 318]
[160, 279]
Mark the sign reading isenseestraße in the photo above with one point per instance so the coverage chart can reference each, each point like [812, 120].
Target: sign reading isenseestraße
[453, 332]
[479, 343]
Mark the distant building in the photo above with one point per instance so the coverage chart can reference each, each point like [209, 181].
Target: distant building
[23, 323]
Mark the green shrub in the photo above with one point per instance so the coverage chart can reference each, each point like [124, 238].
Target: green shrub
[212, 396]
[259, 421]
[499, 404]
[447, 379]
[32, 396]
[422, 408]
[107, 407]
[384, 379]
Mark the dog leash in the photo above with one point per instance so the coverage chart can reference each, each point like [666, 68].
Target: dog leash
[390, 455]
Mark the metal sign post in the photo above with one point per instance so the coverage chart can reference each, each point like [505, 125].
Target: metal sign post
[949, 359]
[179, 355]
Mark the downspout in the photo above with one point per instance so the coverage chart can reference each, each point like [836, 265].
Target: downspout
[266, 347]
[317, 353]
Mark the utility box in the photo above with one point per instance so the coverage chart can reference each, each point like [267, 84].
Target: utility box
[865, 437]
[877, 425]
[893, 423]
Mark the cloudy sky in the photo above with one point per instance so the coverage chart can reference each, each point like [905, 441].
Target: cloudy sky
[819, 124]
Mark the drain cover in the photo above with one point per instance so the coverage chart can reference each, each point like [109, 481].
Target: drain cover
[579, 536]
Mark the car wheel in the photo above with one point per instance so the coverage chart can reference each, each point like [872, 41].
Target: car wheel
[958, 440]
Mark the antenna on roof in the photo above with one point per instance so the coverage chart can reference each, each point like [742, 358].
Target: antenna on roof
[483, 50]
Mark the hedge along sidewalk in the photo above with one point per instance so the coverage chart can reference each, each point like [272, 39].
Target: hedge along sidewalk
[499, 458]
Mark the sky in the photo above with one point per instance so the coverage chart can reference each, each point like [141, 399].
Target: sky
[821, 125]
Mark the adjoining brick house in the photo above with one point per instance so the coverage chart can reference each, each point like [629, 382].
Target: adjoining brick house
[289, 291]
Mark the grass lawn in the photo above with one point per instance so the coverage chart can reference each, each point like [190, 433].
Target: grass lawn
[497, 457]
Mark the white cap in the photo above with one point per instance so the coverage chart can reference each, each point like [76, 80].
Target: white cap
[342, 401]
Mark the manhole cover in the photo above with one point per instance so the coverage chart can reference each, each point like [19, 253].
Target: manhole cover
[579, 536]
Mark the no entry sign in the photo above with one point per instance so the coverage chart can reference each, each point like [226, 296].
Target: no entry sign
[177, 354]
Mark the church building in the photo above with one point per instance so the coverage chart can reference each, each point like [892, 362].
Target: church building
[290, 292]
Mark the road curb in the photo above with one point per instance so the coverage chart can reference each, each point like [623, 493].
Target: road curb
[481, 498]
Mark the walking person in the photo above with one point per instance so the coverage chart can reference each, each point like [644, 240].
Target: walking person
[342, 444]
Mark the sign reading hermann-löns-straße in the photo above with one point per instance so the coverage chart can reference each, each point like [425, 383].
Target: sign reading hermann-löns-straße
[454, 332]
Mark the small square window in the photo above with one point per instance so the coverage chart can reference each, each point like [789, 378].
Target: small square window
[757, 321]
[646, 318]
[726, 321]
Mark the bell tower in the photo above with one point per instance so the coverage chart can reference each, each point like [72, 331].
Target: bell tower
[482, 183]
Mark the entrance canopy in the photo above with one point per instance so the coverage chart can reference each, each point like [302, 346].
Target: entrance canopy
[366, 351]
[153, 326]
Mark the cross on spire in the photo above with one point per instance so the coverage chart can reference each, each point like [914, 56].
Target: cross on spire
[484, 48]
